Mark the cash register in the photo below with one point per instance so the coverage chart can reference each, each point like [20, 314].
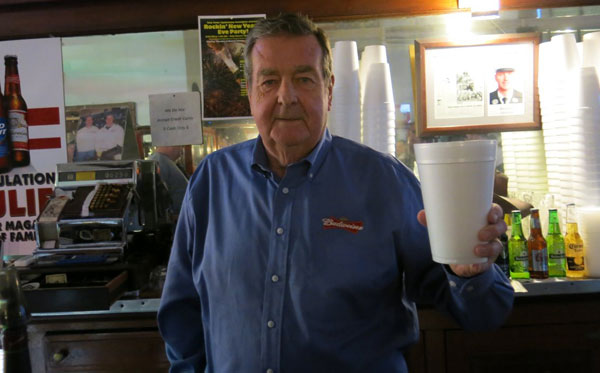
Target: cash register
[97, 235]
[96, 205]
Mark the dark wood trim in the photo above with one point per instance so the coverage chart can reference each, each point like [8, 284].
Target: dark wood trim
[42, 18]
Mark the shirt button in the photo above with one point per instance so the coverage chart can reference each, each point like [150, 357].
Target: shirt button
[274, 278]
[470, 288]
[271, 324]
[279, 230]
[270, 370]
[310, 175]
[285, 190]
[452, 284]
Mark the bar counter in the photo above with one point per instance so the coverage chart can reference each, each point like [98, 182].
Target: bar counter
[554, 327]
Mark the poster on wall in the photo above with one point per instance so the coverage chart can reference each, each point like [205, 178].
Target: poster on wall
[32, 136]
[222, 42]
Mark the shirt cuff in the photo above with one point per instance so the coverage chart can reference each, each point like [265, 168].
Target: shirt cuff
[472, 286]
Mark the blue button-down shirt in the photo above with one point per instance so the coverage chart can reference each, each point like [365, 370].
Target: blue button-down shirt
[316, 272]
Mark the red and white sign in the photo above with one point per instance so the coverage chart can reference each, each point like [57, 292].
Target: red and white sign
[24, 190]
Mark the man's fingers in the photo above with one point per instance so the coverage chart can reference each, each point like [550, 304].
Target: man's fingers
[422, 218]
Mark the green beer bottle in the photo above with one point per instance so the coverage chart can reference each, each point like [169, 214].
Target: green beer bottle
[556, 247]
[517, 249]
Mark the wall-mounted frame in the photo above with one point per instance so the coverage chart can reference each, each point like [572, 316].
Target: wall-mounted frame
[461, 84]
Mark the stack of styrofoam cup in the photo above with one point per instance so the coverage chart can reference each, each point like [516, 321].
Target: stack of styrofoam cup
[585, 140]
[379, 117]
[558, 101]
[525, 164]
[344, 117]
[371, 54]
[589, 229]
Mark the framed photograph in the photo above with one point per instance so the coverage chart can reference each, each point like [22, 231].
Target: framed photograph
[485, 84]
[101, 132]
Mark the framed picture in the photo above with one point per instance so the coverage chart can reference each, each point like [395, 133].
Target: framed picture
[222, 44]
[101, 132]
[485, 84]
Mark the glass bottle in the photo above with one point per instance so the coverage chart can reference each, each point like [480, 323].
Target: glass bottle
[5, 143]
[536, 246]
[13, 322]
[574, 249]
[517, 249]
[17, 113]
[502, 260]
[556, 246]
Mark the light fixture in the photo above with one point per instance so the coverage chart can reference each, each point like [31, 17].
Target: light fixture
[481, 8]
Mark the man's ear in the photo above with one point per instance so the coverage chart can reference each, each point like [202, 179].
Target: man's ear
[248, 90]
[330, 92]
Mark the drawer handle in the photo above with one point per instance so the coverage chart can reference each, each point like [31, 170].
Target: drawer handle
[60, 355]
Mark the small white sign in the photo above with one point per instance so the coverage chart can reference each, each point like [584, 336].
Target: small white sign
[175, 119]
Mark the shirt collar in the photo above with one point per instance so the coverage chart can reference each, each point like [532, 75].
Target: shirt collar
[314, 159]
[508, 96]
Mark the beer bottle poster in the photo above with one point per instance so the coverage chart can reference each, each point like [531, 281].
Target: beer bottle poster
[222, 42]
[33, 110]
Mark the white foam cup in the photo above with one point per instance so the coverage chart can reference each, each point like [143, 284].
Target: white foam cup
[457, 182]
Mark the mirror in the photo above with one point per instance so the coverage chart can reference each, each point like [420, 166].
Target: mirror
[128, 67]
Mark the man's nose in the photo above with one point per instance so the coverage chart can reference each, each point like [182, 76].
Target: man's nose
[287, 93]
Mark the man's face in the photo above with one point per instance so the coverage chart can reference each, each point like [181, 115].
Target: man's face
[109, 121]
[504, 80]
[289, 97]
[89, 121]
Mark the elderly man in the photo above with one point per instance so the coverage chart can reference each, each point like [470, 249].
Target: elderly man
[300, 251]
[505, 94]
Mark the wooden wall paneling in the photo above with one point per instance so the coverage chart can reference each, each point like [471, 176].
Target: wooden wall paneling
[42, 18]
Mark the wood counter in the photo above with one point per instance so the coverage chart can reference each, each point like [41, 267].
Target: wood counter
[556, 331]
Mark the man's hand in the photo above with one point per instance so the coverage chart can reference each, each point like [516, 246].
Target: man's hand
[489, 250]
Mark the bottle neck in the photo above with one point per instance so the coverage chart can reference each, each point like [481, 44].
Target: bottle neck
[516, 230]
[12, 81]
[536, 227]
[572, 228]
[553, 226]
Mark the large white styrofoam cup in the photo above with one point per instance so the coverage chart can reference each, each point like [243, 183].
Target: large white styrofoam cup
[457, 182]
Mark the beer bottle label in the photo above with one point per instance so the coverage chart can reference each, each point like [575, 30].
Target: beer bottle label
[18, 130]
[557, 255]
[576, 247]
[575, 264]
[523, 257]
[12, 79]
[3, 138]
[539, 260]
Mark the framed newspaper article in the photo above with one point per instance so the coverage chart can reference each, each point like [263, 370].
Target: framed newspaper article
[485, 84]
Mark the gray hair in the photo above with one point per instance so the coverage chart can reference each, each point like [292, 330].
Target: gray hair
[287, 24]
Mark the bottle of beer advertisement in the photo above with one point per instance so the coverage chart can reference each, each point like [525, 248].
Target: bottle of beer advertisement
[536, 245]
[517, 248]
[556, 246]
[17, 113]
[5, 142]
[574, 245]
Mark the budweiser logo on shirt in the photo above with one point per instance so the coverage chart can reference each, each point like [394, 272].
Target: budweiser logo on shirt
[345, 224]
